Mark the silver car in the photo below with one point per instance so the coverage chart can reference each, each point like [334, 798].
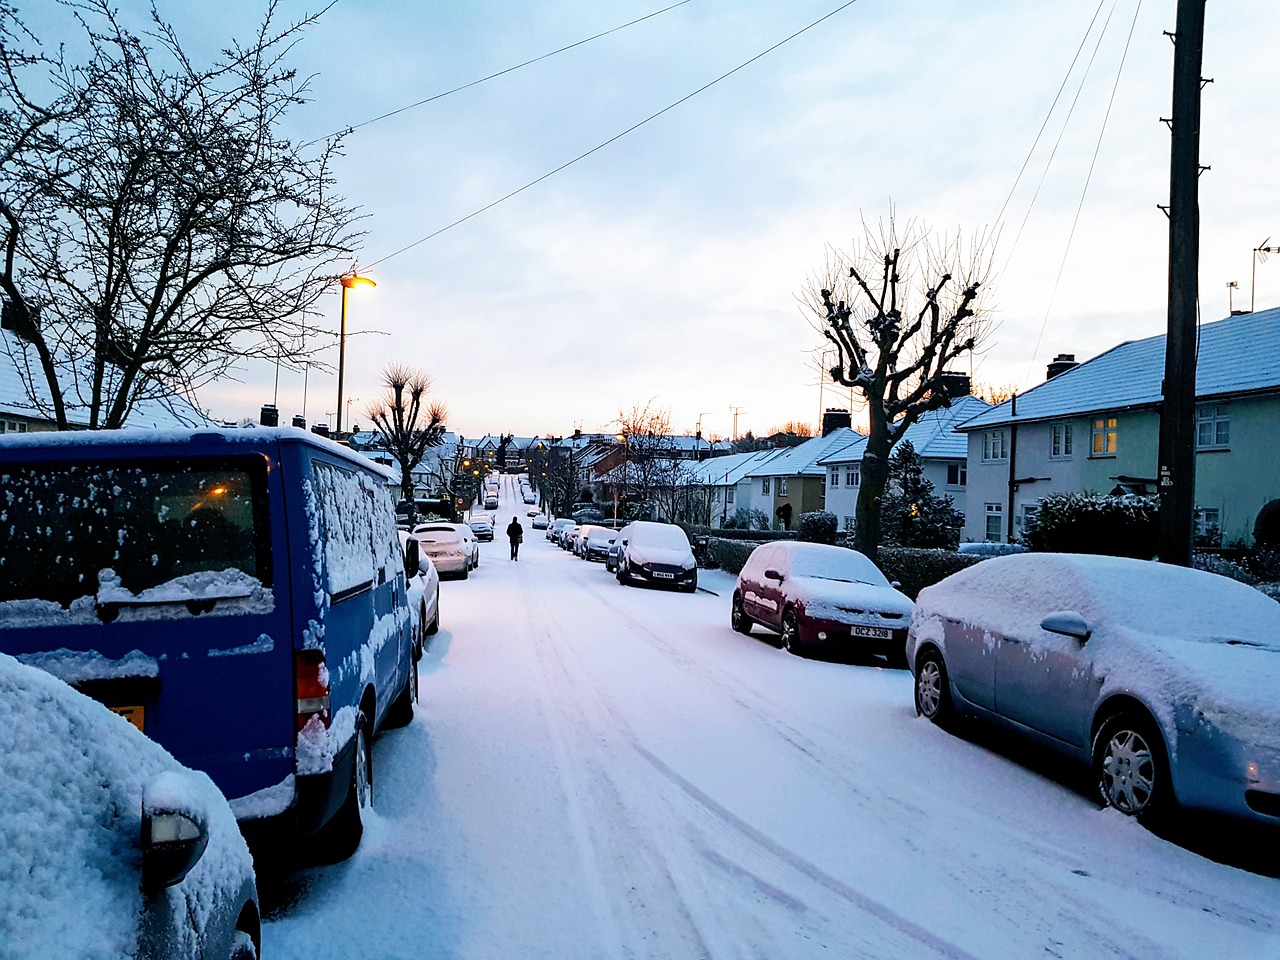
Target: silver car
[1163, 678]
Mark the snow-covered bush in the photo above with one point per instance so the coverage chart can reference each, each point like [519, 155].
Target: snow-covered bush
[1272, 590]
[744, 519]
[1084, 523]
[989, 548]
[915, 568]
[818, 526]
[1223, 567]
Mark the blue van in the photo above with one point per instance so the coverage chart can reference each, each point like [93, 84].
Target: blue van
[239, 595]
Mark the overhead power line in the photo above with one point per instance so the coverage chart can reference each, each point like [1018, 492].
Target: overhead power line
[613, 139]
[492, 76]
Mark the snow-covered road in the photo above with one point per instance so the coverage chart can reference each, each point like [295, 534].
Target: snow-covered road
[599, 772]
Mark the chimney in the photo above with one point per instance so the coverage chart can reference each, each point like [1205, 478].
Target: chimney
[320, 429]
[834, 419]
[300, 421]
[954, 383]
[270, 416]
[1061, 364]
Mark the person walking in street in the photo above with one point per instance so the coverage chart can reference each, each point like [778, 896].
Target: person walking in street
[515, 533]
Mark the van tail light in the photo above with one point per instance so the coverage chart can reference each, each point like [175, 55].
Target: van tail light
[311, 686]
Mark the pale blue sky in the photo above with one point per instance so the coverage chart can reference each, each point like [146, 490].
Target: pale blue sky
[667, 265]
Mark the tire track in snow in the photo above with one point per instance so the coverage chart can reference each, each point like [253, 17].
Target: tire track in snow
[809, 873]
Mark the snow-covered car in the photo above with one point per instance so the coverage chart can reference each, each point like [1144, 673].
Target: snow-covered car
[481, 527]
[595, 542]
[657, 554]
[108, 846]
[532, 512]
[540, 522]
[423, 592]
[814, 594]
[491, 501]
[444, 544]
[557, 527]
[472, 543]
[529, 496]
[614, 555]
[569, 538]
[1163, 678]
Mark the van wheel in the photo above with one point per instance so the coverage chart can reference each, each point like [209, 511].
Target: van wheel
[340, 837]
[401, 712]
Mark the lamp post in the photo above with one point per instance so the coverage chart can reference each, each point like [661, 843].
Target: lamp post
[354, 280]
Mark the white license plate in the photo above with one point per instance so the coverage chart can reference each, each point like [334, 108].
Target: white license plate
[880, 633]
[664, 576]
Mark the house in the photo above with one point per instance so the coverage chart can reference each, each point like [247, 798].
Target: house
[793, 480]
[1095, 428]
[28, 407]
[942, 450]
[724, 477]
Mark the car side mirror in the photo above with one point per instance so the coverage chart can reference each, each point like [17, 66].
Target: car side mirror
[896, 584]
[625, 542]
[175, 832]
[1068, 623]
[412, 556]
[772, 574]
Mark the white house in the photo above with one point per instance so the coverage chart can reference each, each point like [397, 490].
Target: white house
[943, 451]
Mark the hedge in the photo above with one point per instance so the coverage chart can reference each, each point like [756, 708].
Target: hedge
[918, 567]
[731, 533]
[730, 555]
[1111, 526]
[819, 526]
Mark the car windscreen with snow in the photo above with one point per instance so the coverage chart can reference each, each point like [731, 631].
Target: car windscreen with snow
[842, 565]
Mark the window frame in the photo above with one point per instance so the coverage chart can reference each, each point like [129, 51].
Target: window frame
[1061, 442]
[996, 511]
[961, 468]
[1107, 429]
[764, 486]
[782, 486]
[833, 481]
[995, 445]
[1217, 421]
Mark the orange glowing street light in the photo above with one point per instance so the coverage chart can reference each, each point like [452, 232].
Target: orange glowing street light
[355, 280]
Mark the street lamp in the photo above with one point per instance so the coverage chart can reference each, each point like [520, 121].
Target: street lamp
[354, 280]
[626, 449]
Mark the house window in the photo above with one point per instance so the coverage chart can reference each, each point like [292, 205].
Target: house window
[728, 494]
[764, 486]
[1029, 512]
[1060, 441]
[957, 474]
[995, 446]
[995, 521]
[835, 478]
[1104, 437]
[782, 486]
[1208, 527]
[12, 426]
[852, 475]
[1213, 426]
[848, 524]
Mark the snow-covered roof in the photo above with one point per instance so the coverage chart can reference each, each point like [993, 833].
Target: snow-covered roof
[805, 459]
[728, 470]
[164, 413]
[1238, 355]
[933, 435]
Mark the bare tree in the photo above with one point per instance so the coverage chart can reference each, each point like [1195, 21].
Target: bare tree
[795, 428]
[157, 227]
[649, 450]
[406, 423]
[899, 308]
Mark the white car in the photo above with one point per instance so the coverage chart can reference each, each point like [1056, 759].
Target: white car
[540, 522]
[424, 597]
[111, 848]
[557, 527]
[445, 545]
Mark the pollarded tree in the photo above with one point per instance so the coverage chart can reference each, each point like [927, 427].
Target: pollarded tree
[900, 308]
[158, 227]
[406, 423]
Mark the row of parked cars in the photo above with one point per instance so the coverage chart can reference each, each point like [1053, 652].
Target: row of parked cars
[1163, 679]
[199, 630]
[640, 552]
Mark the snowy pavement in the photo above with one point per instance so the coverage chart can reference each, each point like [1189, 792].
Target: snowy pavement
[597, 771]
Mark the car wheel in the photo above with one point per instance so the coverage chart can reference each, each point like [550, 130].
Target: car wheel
[738, 616]
[340, 837]
[242, 947]
[434, 626]
[401, 712]
[933, 689]
[466, 571]
[1132, 768]
[790, 632]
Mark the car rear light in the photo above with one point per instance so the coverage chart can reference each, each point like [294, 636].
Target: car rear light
[311, 687]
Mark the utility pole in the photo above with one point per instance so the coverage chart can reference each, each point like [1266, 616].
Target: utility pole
[736, 411]
[1177, 461]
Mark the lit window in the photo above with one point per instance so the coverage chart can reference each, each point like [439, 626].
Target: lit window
[1104, 437]
[995, 521]
[1213, 426]
[957, 474]
[995, 446]
[1060, 443]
